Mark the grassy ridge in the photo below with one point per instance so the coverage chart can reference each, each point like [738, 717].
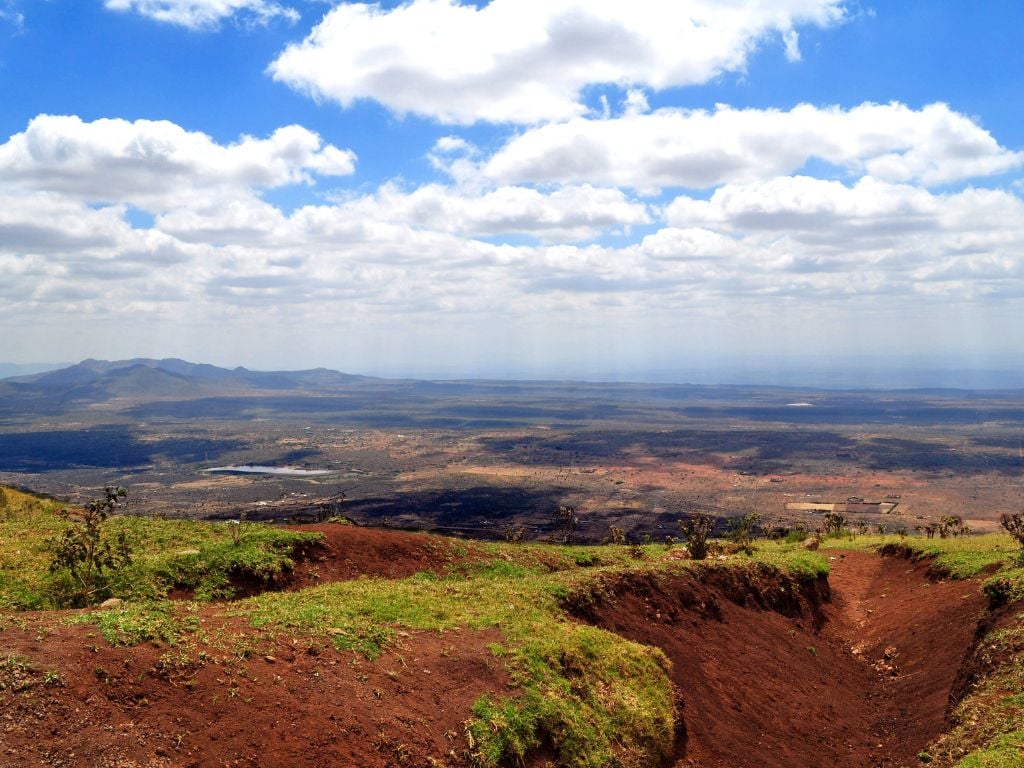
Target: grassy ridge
[594, 697]
[200, 557]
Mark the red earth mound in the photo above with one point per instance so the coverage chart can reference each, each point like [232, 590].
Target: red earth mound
[350, 551]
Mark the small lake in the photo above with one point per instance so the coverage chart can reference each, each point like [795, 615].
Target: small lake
[259, 469]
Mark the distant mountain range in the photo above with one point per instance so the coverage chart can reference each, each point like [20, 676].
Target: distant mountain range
[101, 381]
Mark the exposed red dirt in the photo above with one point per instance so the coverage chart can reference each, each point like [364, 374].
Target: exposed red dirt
[288, 705]
[351, 551]
[914, 631]
[761, 686]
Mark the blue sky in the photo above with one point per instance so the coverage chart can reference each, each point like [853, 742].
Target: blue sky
[517, 187]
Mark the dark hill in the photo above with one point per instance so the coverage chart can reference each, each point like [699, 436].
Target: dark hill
[93, 382]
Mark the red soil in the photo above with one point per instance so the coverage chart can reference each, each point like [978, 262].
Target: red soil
[350, 551]
[288, 705]
[759, 688]
[766, 675]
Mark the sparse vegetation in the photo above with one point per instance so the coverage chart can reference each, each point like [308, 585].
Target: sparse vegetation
[1014, 525]
[202, 558]
[696, 531]
[586, 695]
[84, 554]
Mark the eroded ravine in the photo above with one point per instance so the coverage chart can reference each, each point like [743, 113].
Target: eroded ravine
[912, 631]
[859, 680]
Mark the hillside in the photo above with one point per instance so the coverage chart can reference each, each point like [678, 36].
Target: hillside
[247, 645]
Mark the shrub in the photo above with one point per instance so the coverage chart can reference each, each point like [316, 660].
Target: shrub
[696, 530]
[566, 522]
[835, 523]
[796, 536]
[741, 531]
[1014, 525]
[83, 554]
[616, 535]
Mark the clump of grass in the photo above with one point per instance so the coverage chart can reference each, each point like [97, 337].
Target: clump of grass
[592, 697]
[163, 621]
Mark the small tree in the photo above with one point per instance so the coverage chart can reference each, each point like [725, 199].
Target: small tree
[84, 553]
[696, 530]
[1014, 525]
[566, 522]
[616, 535]
[835, 523]
[952, 525]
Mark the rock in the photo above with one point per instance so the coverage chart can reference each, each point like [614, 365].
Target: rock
[811, 543]
[113, 602]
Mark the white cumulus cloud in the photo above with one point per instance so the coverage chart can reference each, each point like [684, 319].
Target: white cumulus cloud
[702, 149]
[158, 164]
[527, 61]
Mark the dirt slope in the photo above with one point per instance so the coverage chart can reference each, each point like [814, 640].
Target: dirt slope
[887, 603]
[764, 689]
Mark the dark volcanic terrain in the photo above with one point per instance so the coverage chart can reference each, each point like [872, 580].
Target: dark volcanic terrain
[477, 457]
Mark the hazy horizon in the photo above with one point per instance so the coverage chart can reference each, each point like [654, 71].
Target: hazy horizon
[849, 373]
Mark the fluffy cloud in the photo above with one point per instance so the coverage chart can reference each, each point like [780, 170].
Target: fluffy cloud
[527, 61]
[881, 237]
[567, 214]
[700, 149]
[157, 164]
[204, 14]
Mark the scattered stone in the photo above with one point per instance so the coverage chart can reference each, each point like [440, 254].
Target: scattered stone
[113, 602]
[811, 543]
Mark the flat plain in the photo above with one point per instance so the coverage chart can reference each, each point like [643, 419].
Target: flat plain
[480, 457]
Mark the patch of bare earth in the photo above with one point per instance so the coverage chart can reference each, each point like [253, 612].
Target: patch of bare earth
[294, 703]
[351, 551]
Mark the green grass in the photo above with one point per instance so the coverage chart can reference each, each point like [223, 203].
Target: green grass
[962, 557]
[162, 621]
[198, 556]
